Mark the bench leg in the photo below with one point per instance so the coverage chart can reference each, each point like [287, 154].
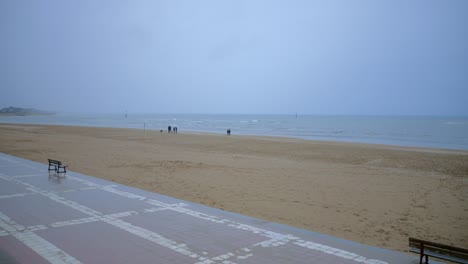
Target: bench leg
[421, 254]
[64, 170]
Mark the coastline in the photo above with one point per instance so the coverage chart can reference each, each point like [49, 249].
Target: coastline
[436, 132]
[370, 193]
[26, 114]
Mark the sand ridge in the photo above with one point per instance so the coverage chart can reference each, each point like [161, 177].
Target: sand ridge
[373, 194]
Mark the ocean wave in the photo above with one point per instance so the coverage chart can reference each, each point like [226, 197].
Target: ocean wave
[454, 123]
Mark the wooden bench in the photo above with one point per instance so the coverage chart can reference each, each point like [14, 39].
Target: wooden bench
[56, 165]
[431, 249]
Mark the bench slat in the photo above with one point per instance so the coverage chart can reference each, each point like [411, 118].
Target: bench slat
[440, 256]
[433, 249]
[439, 245]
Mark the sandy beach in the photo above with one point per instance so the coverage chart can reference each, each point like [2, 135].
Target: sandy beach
[373, 194]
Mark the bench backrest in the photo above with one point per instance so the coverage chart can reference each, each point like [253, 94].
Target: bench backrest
[55, 162]
[453, 253]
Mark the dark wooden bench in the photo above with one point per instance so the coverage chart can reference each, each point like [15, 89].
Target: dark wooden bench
[56, 165]
[432, 249]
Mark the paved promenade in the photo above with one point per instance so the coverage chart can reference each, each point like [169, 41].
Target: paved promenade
[82, 219]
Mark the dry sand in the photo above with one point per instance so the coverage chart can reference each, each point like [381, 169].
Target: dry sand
[373, 194]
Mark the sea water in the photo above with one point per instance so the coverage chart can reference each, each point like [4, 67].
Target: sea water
[433, 132]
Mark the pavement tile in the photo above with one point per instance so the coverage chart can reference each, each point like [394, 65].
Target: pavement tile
[14, 251]
[99, 242]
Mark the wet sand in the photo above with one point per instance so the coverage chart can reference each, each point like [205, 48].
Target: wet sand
[373, 194]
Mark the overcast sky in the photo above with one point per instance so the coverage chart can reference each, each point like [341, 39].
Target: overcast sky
[395, 57]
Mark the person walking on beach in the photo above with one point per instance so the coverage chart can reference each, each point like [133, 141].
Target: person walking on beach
[229, 132]
[175, 129]
[169, 129]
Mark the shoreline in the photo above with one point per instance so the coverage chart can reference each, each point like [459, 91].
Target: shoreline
[279, 138]
[437, 132]
[372, 194]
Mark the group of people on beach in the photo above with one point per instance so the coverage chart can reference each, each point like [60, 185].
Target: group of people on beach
[172, 129]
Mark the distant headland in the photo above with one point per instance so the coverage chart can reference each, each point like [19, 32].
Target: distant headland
[17, 111]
